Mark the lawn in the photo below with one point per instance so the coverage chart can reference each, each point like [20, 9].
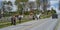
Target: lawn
[6, 24]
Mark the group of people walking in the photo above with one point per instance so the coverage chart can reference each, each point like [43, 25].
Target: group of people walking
[19, 17]
[13, 19]
[37, 16]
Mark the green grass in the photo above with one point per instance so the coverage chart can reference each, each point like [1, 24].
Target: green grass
[5, 25]
[44, 16]
[9, 23]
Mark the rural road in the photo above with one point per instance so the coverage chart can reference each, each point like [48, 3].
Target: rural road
[41, 24]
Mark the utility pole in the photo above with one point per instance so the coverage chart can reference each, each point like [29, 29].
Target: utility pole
[59, 4]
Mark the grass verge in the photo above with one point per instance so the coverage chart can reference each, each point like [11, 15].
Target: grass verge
[6, 24]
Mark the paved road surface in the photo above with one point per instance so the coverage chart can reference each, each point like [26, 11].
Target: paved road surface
[42, 24]
[58, 24]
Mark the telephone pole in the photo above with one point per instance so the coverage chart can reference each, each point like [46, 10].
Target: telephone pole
[59, 4]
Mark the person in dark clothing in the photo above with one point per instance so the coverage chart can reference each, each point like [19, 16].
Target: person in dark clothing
[0, 16]
[33, 17]
[19, 17]
[13, 20]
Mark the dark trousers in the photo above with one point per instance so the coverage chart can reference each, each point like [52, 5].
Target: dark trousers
[13, 22]
[37, 18]
[19, 20]
[33, 18]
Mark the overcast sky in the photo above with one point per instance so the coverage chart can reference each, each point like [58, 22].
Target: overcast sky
[54, 4]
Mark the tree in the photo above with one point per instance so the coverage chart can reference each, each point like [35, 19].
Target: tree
[53, 11]
[45, 2]
[38, 4]
[0, 11]
[7, 7]
[4, 3]
[20, 6]
[9, 3]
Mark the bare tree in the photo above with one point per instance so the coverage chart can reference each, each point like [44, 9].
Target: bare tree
[20, 6]
[38, 3]
[45, 4]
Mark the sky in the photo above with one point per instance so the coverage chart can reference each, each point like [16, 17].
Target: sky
[0, 4]
[53, 3]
